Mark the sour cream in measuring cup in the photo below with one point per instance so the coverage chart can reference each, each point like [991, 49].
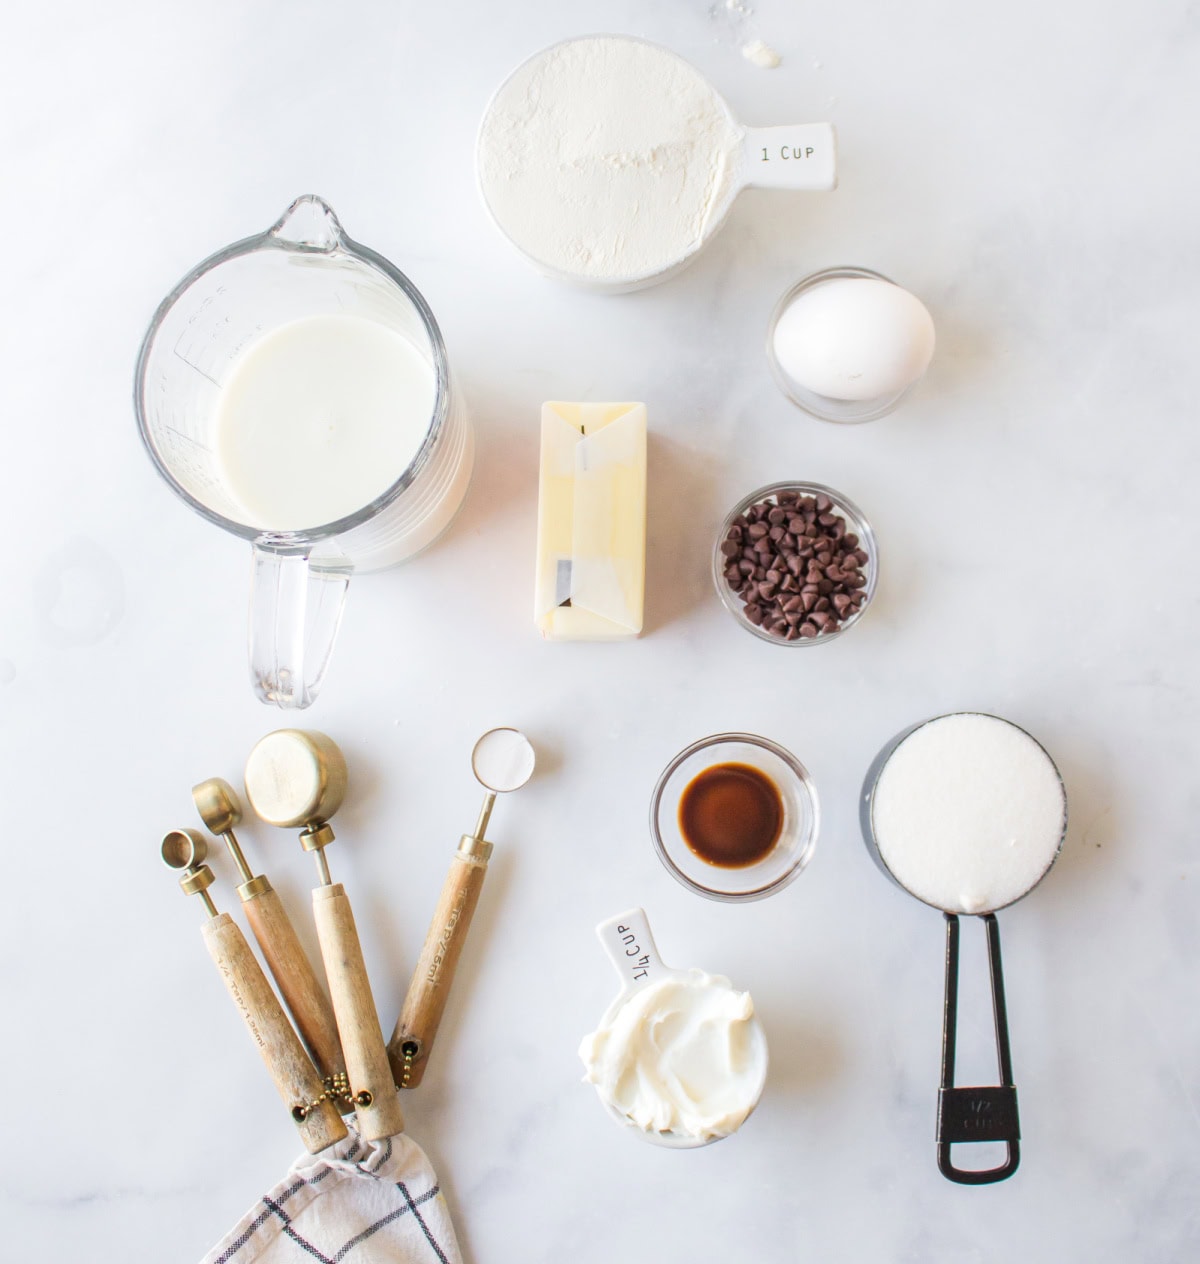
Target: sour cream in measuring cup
[679, 1055]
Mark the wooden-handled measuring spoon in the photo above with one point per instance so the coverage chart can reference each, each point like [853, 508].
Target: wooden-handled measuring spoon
[297, 1080]
[220, 810]
[298, 777]
[503, 760]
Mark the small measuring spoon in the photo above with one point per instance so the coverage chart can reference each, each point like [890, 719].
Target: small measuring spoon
[297, 1081]
[302, 992]
[970, 1114]
[799, 156]
[630, 946]
[503, 760]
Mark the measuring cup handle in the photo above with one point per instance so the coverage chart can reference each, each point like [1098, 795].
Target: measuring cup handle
[295, 610]
[800, 156]
[987, 1113]
[630, 947]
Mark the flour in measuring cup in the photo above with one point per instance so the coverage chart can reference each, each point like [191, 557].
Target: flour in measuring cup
[606, 159]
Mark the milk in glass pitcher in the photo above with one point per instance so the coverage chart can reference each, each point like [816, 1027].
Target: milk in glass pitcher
[293, 389]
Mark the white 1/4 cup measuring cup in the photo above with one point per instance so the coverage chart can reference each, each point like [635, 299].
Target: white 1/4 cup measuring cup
[303, 266]
[630, 947]
[797, 157]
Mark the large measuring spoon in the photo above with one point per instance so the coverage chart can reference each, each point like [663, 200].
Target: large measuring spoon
[298, 777]
[545, 164]
[296, 1079]
[691, 1056]
[503, 760]
[220, 810]
[967, 813]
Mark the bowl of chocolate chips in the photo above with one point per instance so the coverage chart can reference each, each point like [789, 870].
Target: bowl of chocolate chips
[796, 563]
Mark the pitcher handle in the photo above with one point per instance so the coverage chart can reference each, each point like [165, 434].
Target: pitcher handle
[295, 610]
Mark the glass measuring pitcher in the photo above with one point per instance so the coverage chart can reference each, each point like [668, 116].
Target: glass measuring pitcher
[303, 266]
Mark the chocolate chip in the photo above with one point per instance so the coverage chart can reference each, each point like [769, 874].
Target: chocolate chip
[795, 566]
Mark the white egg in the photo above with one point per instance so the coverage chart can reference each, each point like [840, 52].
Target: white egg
[854, 338]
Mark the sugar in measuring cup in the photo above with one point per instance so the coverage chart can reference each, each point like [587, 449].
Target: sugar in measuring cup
[610, 162]
[967, 813]
[679, 1057]
[293, 389]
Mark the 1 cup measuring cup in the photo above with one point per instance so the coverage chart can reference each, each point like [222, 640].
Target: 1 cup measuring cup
[303, 267]
[610, 162]
[679, 1057]
[967, 812]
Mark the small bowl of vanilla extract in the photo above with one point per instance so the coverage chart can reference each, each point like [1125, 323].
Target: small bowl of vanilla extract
[734, 817]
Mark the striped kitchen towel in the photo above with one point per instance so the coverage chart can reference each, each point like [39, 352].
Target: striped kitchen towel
[364, 1202]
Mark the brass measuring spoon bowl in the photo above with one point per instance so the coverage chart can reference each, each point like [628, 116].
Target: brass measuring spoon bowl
[296, 777]
[184, 849]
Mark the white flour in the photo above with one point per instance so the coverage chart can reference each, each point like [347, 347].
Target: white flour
[605, 158]
[968, 813]
[761, 55]
[503, 759]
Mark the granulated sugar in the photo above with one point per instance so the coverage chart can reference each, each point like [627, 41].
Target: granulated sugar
[605, 159]
[968, 813]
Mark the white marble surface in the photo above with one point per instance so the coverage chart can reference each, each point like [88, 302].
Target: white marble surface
[1028, 170]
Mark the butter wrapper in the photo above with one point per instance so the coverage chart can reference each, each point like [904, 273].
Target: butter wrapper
[591, 538]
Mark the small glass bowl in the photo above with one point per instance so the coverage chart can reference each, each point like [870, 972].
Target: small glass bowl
[846, 411]
[855, 522]
[797, 837]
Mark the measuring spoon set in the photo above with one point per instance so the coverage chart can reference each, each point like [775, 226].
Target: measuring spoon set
[334, 1059]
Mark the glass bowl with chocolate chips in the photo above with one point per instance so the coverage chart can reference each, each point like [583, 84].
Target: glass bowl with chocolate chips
[796, 563]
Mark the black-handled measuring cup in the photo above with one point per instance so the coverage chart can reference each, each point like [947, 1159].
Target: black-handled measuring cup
[967, 812]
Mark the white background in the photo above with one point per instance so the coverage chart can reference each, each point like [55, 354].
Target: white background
[1028, 169]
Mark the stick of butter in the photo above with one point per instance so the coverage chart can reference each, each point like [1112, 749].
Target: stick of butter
[591, 538]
